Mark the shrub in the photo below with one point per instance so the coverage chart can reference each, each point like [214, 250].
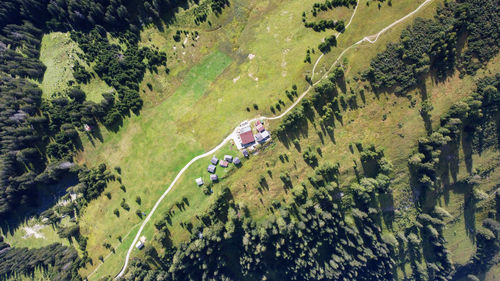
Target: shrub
[124, 205]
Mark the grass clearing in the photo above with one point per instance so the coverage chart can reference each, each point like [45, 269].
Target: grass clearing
[34, 234]
[58, 53]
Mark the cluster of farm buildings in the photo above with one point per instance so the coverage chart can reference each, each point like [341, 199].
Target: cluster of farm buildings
[245, 136]
[213, 166]
[244, 139]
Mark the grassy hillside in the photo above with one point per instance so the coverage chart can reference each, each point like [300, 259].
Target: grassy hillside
[148, 148]
[260, 56]
[237, 66]
[151, 147]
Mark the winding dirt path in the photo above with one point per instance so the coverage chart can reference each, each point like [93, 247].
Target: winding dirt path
[336, 36]
[370, 39]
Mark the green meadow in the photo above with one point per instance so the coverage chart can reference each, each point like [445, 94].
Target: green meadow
[59, 54]
[150, 150]
[235, 70]
[267, 50]
[34, 234]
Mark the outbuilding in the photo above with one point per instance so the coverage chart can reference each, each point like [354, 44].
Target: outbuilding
[214, 177]
[228, 158]
[265, 135]
[259, 137]
[211, 168]
[245, 153]
[214, 160]
[199, 181]
[236, 161]
[139, 245]
[224, 164]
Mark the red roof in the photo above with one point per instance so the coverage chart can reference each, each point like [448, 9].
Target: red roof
[247, 137]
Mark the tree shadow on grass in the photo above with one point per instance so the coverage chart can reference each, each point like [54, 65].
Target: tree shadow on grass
[467, 137]
[470, 216]
[469, 206]
[386, 202]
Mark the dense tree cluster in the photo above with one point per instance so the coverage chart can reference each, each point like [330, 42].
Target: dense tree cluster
[325, 100]
[330, 41]
[59, 262]
[20, 49]
[310, 157]
[488, 244]
[307, 240]
[291, 123]
[80, 73]
[3, 245]
[431, 46]
[116, 15]
[20, 160]
[65, 115]
[332, 4]
[323, 25]
[438, 260]
[93, 181]
[374, 162]
[480, 20]
[423, 246]
[218, 5]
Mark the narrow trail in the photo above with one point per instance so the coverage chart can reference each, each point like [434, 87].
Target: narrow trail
[370, 39]
[336, 36]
